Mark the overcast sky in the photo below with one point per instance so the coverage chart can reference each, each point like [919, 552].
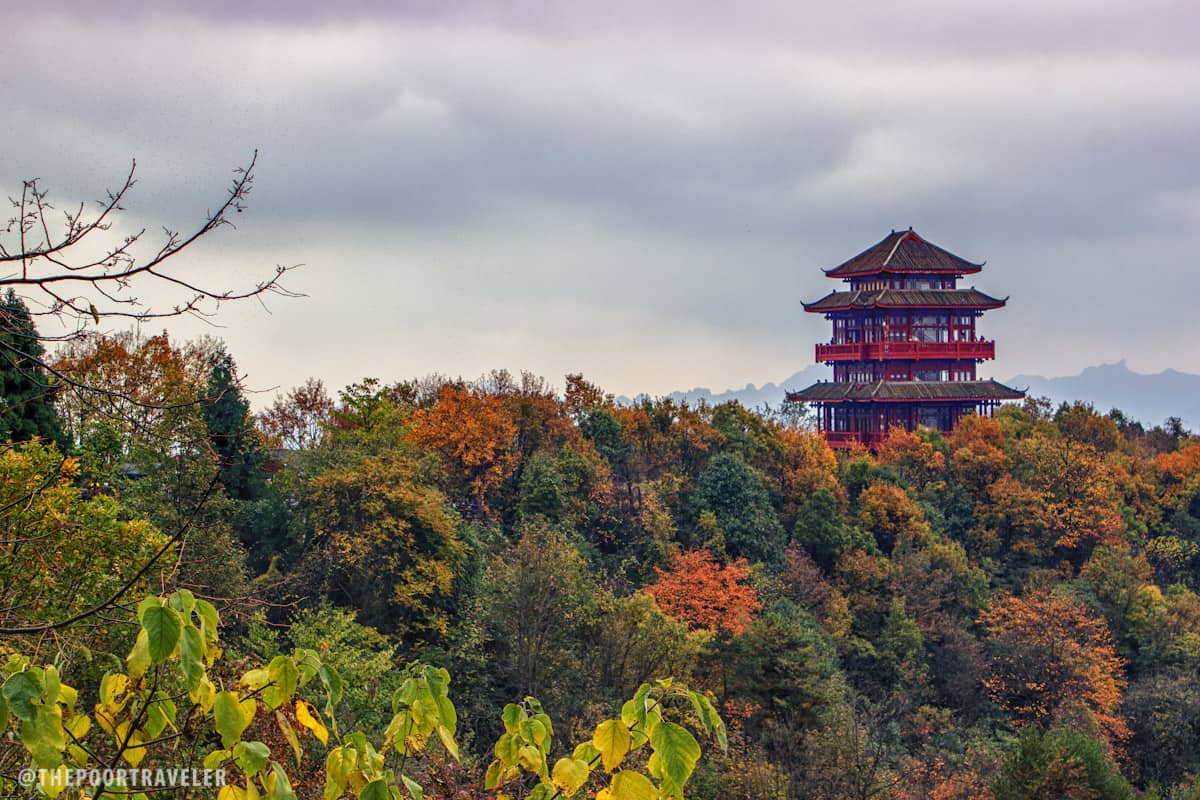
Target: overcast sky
[644, 196]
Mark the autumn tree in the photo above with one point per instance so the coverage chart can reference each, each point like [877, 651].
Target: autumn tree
[297, 420]
[705, 594]
[1049, 652]
[387, 545]
[476, 440]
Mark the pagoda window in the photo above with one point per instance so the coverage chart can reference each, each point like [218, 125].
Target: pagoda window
[964, 327]
[930, 328]
[931, 375]
[936, 417]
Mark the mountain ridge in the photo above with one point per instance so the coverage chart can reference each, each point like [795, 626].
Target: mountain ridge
[1149, 398]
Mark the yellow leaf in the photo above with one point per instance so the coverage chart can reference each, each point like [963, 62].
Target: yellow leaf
[612, 739]
[310, 718]
[569, 775]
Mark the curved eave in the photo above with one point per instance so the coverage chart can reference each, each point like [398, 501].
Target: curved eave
[921, 400]
[974, 268]
[874, 305]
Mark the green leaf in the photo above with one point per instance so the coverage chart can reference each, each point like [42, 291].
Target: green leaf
[138, 660]
[232, 716]
[251, 757]
[183, 601]
[163, 627]
[532, 759]
[709, 718]
[191, 653]
[569, 775]
[612, 739]
[309, 663]
[376, 790]
[629, 785]
[284, 676]
[448, 742]
[508, 748]
[491, 778]
[512, 716]
[289, 733]
[332, 683]
[413, 787]
[678, 753]
[44, 737]
[587, 753]
[20, 691]
[532, 730]
[209, 620]
[216, 758]
[281, 787]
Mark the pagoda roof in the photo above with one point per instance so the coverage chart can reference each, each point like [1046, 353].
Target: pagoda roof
[904, 298]
[903, 251]
[902, 391]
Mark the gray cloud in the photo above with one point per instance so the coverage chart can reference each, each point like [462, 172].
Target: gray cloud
[644, 195]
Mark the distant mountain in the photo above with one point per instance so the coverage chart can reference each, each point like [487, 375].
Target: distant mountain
[752, 396]
[1150, 399]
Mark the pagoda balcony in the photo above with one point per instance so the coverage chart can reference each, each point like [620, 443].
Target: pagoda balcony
[916, 351]
[845, 439]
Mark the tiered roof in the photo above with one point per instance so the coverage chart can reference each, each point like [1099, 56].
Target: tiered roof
[904, 252]
[904, 298]
[899, 391]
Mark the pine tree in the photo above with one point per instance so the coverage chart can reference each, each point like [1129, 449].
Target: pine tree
[26, 393]
[231, 429]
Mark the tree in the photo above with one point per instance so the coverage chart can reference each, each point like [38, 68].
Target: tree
[704, 594]
[1059, 765]
[1050, 652]
[25, 391]
[824, 533]
[476, 440]
[231, 429]
[734, 492]
[297, 421]
[387, 545]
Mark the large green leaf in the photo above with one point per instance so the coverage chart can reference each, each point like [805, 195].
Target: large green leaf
[251, 757]
[678, 752]
[163, 627]
[232, 716]
[191, 653]
[285, 676]
[20, 691]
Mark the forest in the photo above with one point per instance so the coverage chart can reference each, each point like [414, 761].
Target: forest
[503, 588]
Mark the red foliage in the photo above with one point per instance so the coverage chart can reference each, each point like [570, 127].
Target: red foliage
[705, 594]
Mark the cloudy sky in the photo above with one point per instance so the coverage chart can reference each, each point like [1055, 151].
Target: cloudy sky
[640, 194]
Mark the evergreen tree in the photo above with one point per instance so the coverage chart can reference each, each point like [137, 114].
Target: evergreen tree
[27, 396]
[231, 429]
[733, 491]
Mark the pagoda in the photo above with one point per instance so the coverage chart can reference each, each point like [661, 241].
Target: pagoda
[904, 348]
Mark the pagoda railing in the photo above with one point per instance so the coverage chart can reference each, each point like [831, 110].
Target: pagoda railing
[873, 351]
[850, 438]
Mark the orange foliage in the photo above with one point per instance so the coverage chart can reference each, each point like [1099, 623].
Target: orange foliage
[1051, 653]
[911, 456]
[891, 515]
[977, 451]
[704, 594]
[474, 436]
[808, 465]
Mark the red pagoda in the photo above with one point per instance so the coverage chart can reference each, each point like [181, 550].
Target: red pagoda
[904, 349]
